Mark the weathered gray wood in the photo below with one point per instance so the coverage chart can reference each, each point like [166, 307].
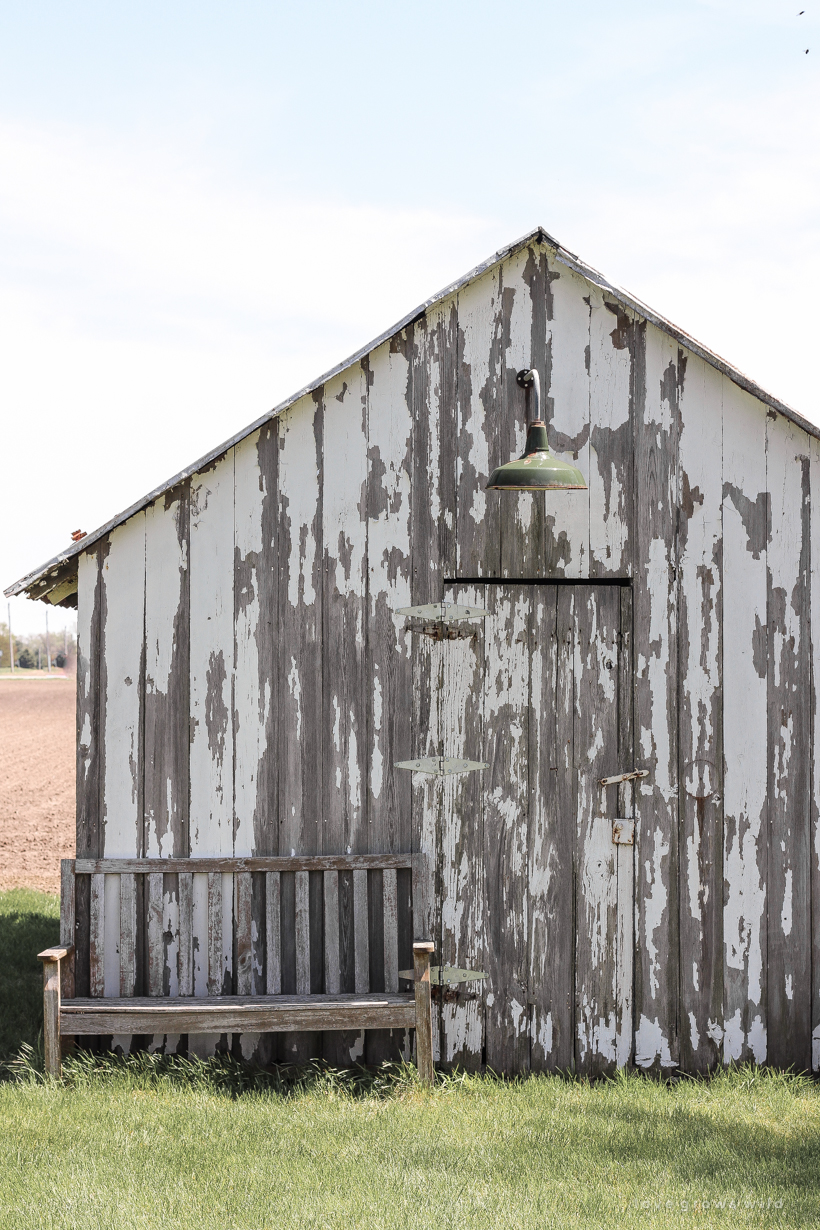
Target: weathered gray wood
[186, 933]
[549, 887]
[51, 1016]
[360, 933]
[273, 951]
[230, 1014]
[612, 334]
[482, 432]
[597, 753]
[156, 952]
[464, 891]
[243, 886]
[89, 604]
[391, 931]
[625, 854]
[97, 936]
[815, 792]
[699, 715]
[506, 718]
[332, 970]
[215, 938]
[128, 934]
[167, 623]
[524, 345]
[302, 933]
[231, 866]
[789, 787]
[422, 952]
[744, 670]
[68, 919]
[658, 377]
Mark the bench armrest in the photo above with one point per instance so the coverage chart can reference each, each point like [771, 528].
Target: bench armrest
[56, 954]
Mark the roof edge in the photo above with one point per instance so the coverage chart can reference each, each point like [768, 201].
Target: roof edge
[539, 235]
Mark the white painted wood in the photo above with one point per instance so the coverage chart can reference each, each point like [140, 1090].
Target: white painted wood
[567, 411]
[700, 458]
[459, 681]
[211, 679]
[610, 496]
[744, 725]
[252, 698]
[520, 508]
[814, 446]
[478, 306]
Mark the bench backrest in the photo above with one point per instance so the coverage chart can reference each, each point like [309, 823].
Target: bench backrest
[244, 926]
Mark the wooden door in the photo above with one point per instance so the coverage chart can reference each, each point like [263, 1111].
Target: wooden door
[530, 887]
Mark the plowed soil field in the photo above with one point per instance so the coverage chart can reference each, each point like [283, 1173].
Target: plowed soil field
[37, 768]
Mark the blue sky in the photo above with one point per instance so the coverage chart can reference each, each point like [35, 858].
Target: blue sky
[204, 206]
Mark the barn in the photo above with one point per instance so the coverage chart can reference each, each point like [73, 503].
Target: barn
[250, 681]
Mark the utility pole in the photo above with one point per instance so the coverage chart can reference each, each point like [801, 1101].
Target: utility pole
[48, 645]
[11, 642]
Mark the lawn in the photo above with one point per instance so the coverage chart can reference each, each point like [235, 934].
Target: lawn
[150, 1142]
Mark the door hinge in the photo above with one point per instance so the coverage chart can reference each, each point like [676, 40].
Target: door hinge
[446, 975]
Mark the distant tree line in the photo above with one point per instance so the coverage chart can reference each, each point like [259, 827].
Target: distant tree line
[30, 651]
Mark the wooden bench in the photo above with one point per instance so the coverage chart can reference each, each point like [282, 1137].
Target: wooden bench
[323, 924]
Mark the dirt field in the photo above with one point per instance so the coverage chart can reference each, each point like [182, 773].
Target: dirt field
[37, 720]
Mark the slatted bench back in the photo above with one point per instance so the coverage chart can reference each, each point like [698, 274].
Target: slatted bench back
[246, 926]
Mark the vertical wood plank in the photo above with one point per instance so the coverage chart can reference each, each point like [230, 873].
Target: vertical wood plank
[243, 888]
[299, 637]
[523, 312]
[789, 706]
[156, 953]
[360, 933]
[97, 936]
[746, 518]
[700, 550]
[611, 453]
[128, 933]
[597, 754]
[302, 932]
[391, 930]
[550, 844]
[273, 957]
[481, 433]
[566, 395]
[814, 446]
[68, 924]
[625, 855]
[211, 756]
[459, 711]
[658, 378]
[506, 827]
[89, 604]
[331, 896]
[122, 649]
[186, 933]
[215, 950]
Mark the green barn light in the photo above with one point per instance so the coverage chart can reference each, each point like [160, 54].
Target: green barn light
[538, 469]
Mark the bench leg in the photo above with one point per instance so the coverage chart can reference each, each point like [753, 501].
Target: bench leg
[424, 1011]
[51, 1016]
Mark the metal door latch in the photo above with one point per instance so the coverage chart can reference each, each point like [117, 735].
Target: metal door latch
[446, 975]
[623, 832]
[623, 777]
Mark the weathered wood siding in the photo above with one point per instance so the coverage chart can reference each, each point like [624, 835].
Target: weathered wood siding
[244, 686]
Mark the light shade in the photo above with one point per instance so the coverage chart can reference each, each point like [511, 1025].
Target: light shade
[538, 469]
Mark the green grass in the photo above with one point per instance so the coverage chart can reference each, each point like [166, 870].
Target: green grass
[29, 922]
[157, 1142]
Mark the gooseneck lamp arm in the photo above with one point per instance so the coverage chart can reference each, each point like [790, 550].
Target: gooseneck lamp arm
[529, 380]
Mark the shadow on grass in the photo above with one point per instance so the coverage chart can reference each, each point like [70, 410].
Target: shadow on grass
[29, 922]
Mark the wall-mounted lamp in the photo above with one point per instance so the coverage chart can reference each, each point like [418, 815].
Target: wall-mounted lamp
[538, 469]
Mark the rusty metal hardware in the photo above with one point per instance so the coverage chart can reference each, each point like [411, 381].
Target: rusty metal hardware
[446, 975]
[442, 612]
[623, 832]
[442, 631]
[623, 777]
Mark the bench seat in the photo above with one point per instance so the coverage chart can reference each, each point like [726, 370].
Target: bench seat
[237, 1014]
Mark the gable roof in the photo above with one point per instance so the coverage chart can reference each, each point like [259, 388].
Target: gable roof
[52, 580]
